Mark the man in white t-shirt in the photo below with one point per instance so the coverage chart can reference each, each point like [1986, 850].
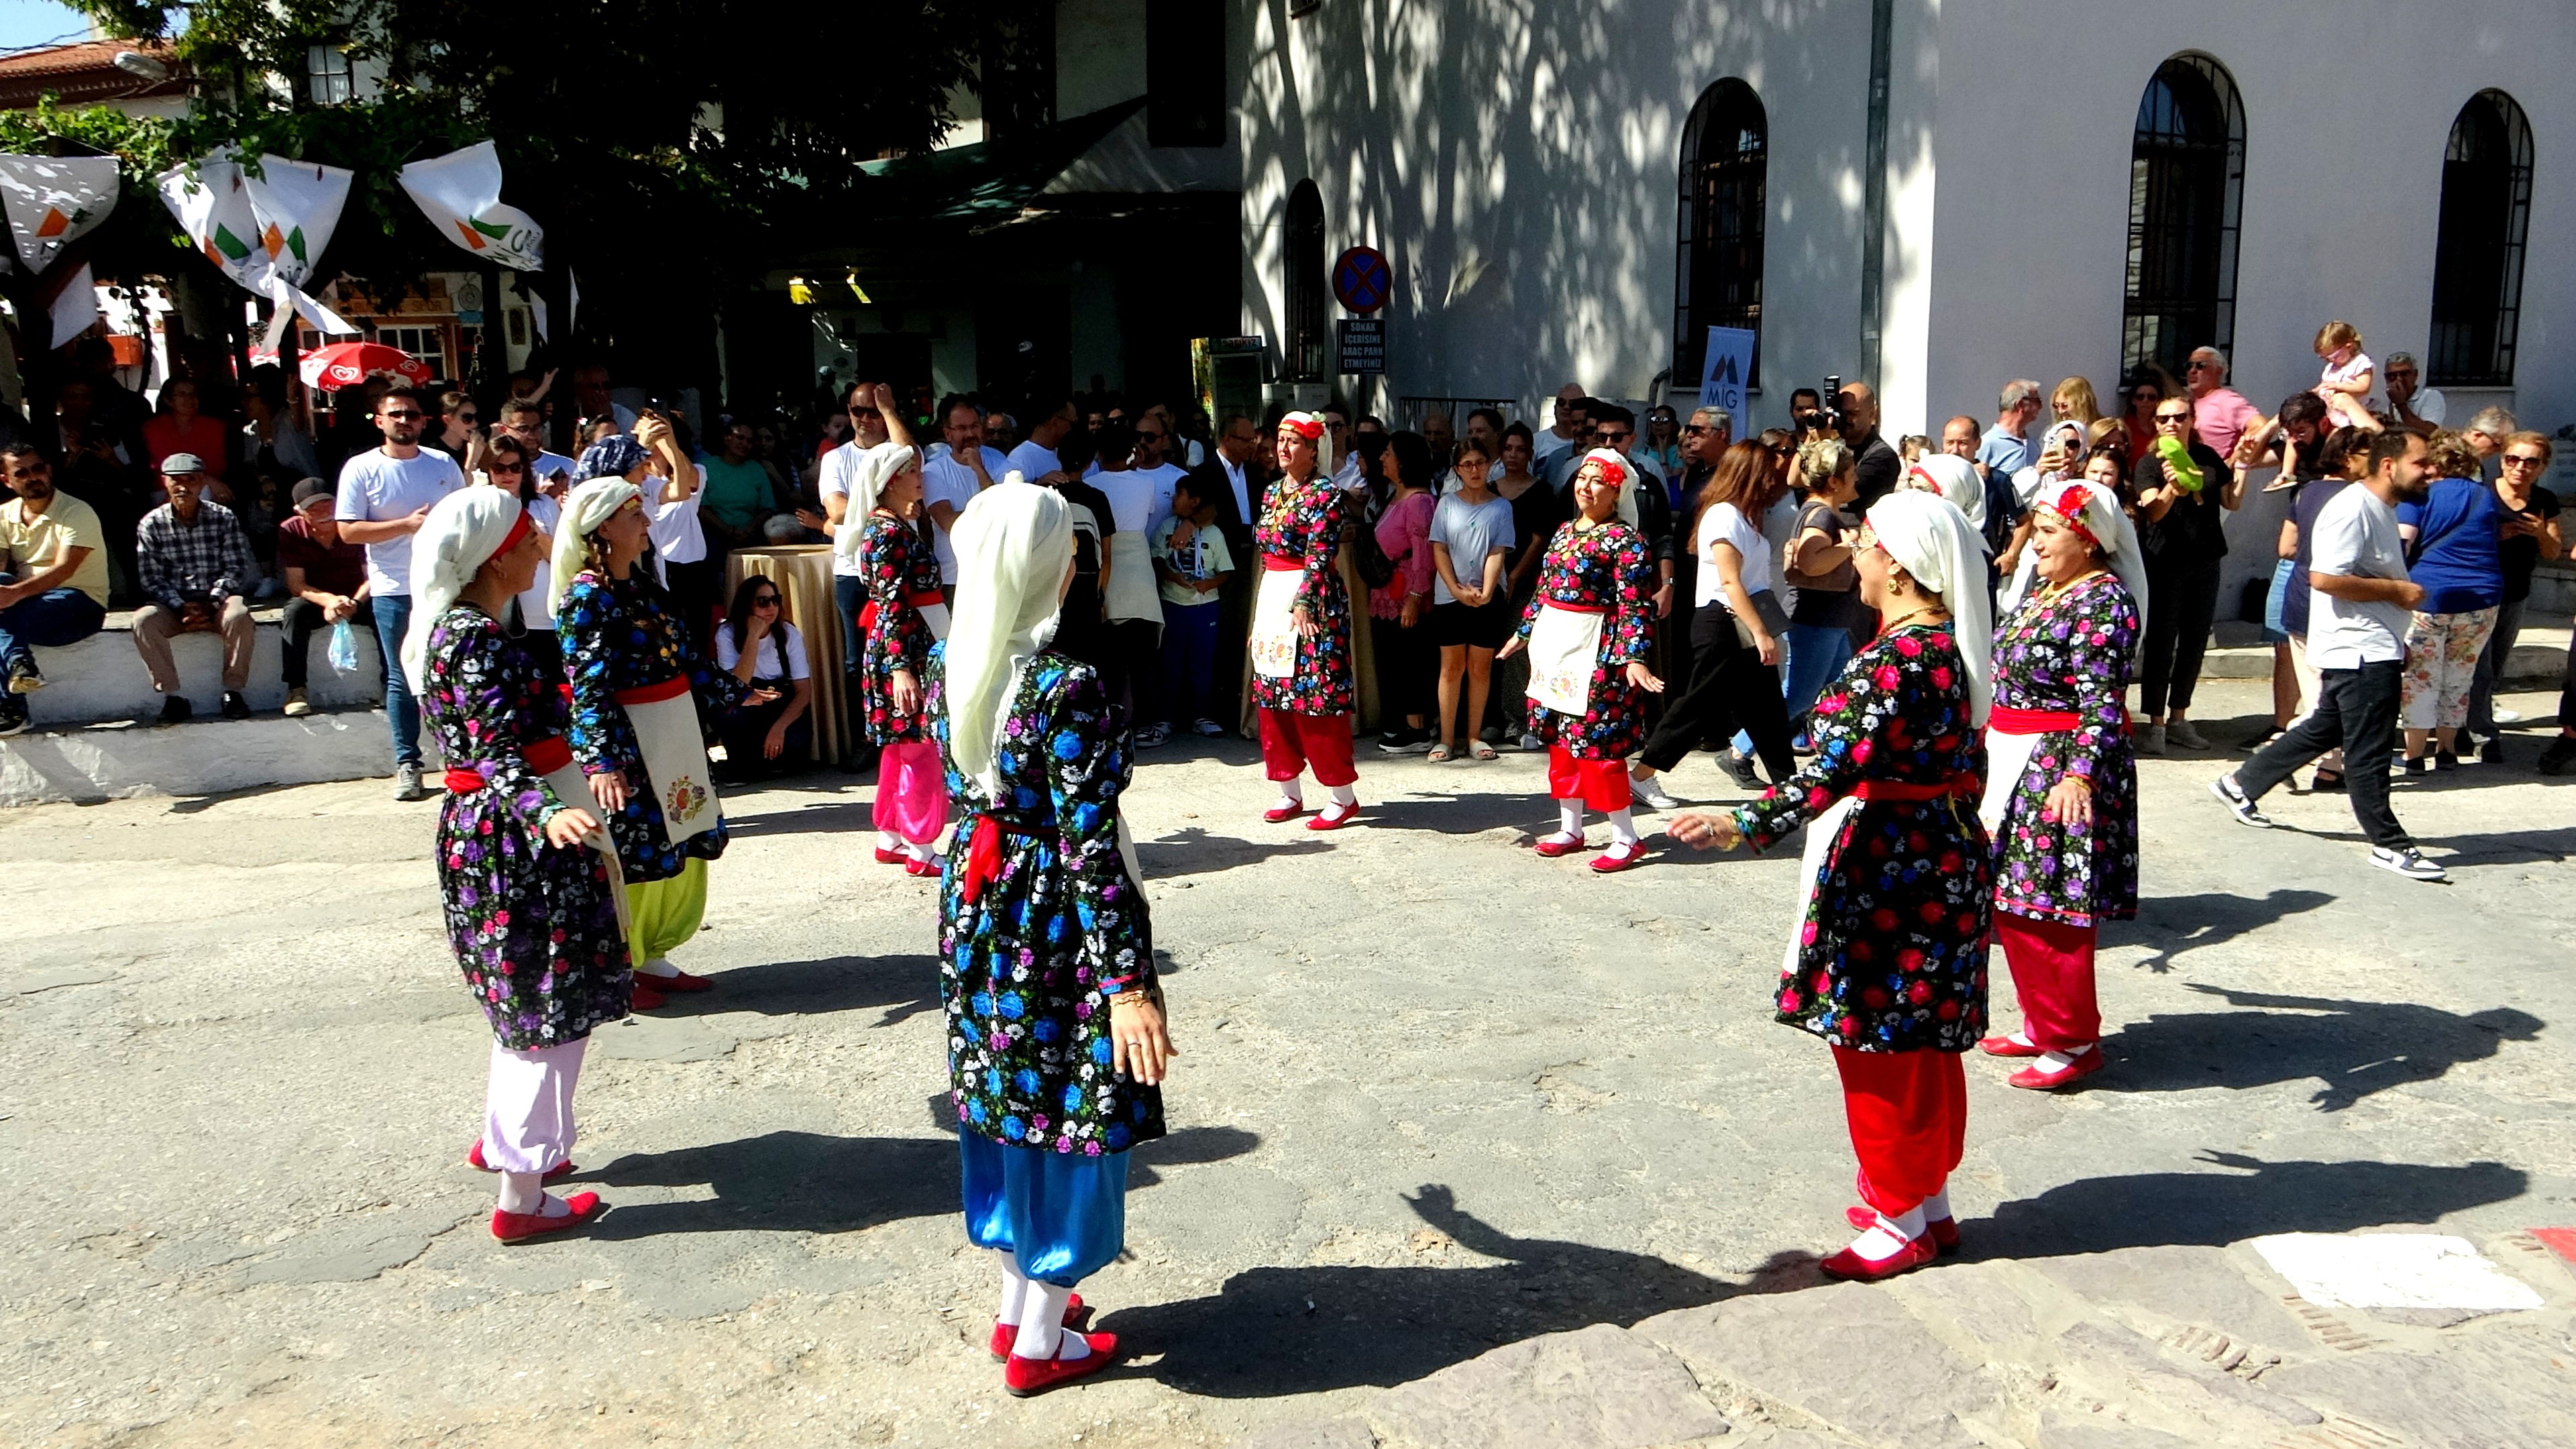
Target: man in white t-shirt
[1153, 461]
[1035, 459]
[1133, 598]
[385, 496]
[868, 402]
[958, 468]
[2357, 623]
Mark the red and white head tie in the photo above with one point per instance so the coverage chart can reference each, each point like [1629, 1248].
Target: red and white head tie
[2071, 502]
[1304, 425]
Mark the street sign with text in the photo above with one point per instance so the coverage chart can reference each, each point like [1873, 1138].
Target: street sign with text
[1363, 344]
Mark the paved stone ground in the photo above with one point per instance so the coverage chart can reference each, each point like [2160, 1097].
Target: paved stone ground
[1472, 1149]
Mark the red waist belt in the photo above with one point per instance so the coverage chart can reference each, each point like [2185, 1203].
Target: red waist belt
[545, 757]
[984, 856]
[1577, 608]
[1279, 565]
[2038, 721]
[1909, 790]
[671, 688]
[923, 600]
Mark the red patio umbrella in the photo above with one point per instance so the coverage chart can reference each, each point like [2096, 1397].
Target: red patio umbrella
[347, 364]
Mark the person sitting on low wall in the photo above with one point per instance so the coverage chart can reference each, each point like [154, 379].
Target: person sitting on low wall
[193, 561]
[53, 576]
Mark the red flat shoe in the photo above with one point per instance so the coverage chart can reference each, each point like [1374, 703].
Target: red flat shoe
[890, 857]
[2002, 1045]
[1027, 1377]
[920, 867]
[1004, 1333]
[2043, 1081]
[474, 1159]
[646, 998]
[1552, 847]
[520, 1227]
[1278, 814]
[1944, 1232]
[1608, 864]
[682, 981]
[1327, 820]
[1851, 1267]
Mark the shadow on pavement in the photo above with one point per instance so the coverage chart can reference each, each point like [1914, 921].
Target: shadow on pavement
[2207, 1209]
[2172, 925]
[816, 817]
[1191, 850]
[806, 1182]
[2355, 1048]
[905, 986]
[1277, 1331]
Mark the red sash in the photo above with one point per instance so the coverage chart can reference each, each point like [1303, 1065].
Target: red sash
[671, 688]
[984, 856]
[2005, 721]
[1577, 608]
[1280, 565]
[544, 757]
[923, 600]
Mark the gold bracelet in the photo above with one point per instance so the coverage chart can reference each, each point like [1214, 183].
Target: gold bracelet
[1133, 996]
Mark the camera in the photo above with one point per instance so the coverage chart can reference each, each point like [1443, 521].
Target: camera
[1827, 416]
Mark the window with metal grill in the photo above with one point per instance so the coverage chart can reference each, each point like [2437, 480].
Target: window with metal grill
[2477, 257]
[1726, 166]
[2186, 191]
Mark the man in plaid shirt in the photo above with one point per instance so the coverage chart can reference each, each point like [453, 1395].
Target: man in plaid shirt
[193, 562]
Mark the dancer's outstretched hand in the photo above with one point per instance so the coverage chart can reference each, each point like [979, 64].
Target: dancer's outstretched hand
[1702, 831]
[1139, 1045]
[570, 826]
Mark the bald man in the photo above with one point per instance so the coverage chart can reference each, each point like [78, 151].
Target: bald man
[1878, 468]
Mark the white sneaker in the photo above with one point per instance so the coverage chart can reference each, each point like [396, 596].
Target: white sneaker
[297, 705]
[1650, 792]
[2233, 797]
[2408, 862]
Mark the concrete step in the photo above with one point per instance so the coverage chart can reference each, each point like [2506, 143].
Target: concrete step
[102, 677]
[206, 756]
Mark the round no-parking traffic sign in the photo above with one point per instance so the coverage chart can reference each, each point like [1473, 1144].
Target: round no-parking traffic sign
[1363, 280]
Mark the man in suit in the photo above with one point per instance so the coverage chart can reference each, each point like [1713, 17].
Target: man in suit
[1233, 479]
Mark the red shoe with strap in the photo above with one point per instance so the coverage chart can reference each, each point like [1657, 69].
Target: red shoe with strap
[474, 1159]
[1028, 1377]
[891, 857]
[1326, 819]
[1553, 846]
[682, 981]
[1610, 863]
[1944, 1232]
[2039, 1079]
[1004, 1334]
[520, 1227]
[920, 867]
[647, 997]
[2002, 1045]
[1280, 814]
[1851, 1267]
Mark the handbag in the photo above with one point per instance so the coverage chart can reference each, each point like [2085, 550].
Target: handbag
[1766, 607]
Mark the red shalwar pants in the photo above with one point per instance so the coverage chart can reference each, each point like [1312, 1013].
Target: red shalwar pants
[2052, 972]
[1600, 784]
[1292, 743]
[1909, 1122]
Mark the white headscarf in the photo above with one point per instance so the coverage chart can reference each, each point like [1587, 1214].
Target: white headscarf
[2099, 514]
[585, 508]
[1954, 478]
[1930, 536]
[1619, 466]
[463, 531]
[1014, 546]
[869, 473]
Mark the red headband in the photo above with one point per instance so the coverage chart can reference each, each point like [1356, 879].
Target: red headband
[2070, 505]
[1611, 473]
[518, 530]
[1310, 430]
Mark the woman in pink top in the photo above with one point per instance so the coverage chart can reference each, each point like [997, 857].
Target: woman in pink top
[1408, 661]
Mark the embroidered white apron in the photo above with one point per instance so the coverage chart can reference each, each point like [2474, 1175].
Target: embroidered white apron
[1564, 650]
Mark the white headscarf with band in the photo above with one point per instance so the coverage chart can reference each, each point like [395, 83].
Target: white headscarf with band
[1954, 478]
[1930, 537]
[1014, 546]
[463, 531]
[875, 468]
[1618, 468]
[2096, 510]
[585, 508]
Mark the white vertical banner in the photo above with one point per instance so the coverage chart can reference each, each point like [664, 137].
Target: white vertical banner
[1730, 367]
[270, 256]
[460, 193]
[296, 205]
[53, 201]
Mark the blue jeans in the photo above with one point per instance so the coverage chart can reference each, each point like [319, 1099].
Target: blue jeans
[52, 619]
[1812, 655]
[1189, 658]
[849, 596]
[402, 712]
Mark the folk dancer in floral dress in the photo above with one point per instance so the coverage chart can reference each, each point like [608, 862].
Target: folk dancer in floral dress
[1889, 960]
[1589, 631]
[1056, 1045]
[1301, 633]
[905, 614]
[641, 694]
[2061, 784]
[531, 910]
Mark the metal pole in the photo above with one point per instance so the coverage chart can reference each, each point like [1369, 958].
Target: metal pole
[1873, 247]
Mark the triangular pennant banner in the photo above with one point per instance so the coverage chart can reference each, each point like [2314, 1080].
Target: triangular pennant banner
[460, 193]
[52, 201]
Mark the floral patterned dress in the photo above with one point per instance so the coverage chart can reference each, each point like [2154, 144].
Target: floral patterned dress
[1027, 968]
[1607, 567]
[1303, 521]
[897, 567]
[624, 634]
[534, 925]
[1891, 949]
[2070, 653]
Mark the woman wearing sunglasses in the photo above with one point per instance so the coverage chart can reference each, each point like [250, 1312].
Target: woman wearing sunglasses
[757, 645]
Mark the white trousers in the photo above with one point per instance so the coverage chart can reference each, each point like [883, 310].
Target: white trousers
[527, 1107]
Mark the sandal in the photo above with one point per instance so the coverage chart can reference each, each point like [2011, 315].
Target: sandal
[1441, 755]
[1485, 751]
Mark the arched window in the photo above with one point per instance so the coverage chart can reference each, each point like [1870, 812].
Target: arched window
[2186, 185]
[2477, 262]
[1726, 153]
[1309, 340]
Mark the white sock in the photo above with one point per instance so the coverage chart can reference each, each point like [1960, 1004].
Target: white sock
[658, 966]
[1623, 826]
[1346, 795]
[1890, 1235]
[1569, 818]
[1015, 1291]
[919, 852]
[1937, 1206]
[1292, 795]
[1042, 1332]
[2060, 1061]
[2020, 1036]
[522, 1191]
[888, 841]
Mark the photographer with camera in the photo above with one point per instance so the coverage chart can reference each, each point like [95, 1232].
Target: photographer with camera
[1853, 417]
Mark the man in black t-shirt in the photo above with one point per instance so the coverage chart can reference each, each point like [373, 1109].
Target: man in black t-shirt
[1878, 465]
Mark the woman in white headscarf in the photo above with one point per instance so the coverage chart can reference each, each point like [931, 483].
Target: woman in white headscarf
[531, 911]
[643, 698]
[1889, 960]
[878, 541]
[1056, 1045]
[2061, 798]
[1953, 478]
[1589, 632]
